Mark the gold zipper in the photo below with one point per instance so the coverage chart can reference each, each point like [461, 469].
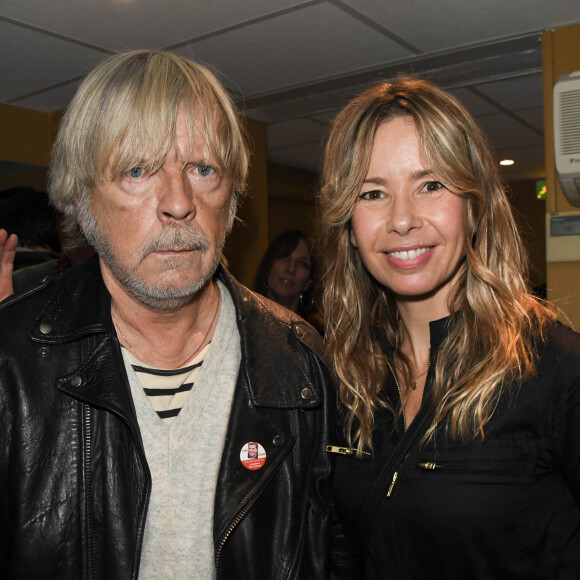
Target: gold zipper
[427, 466]
[239, 517]
[431, 465]
[344, 450]
[390, 490]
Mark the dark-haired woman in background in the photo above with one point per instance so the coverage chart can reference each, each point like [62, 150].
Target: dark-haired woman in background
[287, 275]
[461, 391]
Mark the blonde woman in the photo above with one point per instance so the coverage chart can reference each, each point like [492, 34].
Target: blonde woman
[461, 392]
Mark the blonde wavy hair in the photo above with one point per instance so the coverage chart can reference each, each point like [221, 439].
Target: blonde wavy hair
[124, 115]
[494, 321]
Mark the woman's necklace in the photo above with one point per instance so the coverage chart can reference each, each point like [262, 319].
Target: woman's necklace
[128, 345]
[413, 384]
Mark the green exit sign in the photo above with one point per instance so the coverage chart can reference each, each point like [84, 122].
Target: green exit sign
[541, 189]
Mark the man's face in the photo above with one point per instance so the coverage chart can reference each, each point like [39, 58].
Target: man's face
[252, 451]
[160, 235]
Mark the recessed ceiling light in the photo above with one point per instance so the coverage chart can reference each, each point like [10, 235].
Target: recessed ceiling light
[507, 162]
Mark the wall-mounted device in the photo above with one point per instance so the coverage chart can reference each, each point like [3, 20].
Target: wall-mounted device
[567, 134]
[563, 236]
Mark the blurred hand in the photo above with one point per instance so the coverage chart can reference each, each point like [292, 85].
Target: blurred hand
[8, 245]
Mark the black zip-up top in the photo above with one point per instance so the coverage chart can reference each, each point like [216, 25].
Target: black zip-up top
[504, 507]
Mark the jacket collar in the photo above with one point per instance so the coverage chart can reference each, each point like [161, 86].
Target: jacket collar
[438, 330]
[80, 305]
[271, 337]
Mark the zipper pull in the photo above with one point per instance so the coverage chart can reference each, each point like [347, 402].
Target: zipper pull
[344, 450]
[429, 465]
[395, 475]
[340, 450]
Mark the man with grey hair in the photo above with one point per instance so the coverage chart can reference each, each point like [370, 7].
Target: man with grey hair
[131, 386]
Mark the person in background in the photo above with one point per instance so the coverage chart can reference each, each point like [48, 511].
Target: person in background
[461, 391]
[8, 245]
[288, 275]
[28, 214]
[21, 279]
[131, 384]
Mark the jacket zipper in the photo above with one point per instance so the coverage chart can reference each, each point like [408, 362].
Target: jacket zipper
[396, 474]
[89, 492]
[345, 450]
[241, 515]
[433, 466]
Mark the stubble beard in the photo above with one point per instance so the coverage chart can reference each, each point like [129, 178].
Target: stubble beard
[170, 297]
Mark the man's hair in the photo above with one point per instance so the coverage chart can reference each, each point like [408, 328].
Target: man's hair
[494, 319]
[124, 116]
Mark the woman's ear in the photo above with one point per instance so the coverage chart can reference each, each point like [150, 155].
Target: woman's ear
[352, 238]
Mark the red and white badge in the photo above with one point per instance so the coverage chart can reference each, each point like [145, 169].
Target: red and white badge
[253, 456]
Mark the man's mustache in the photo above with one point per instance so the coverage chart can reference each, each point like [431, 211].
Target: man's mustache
[184, 238]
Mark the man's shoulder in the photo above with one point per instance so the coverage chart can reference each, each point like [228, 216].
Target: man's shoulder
[53, 296]
[259, 314]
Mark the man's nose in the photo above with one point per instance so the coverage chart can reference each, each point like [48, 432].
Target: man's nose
[176, 200]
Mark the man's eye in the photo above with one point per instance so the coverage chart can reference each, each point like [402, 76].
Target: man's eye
[205, 170]
[136, 172]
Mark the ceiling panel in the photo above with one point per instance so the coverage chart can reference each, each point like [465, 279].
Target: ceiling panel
[517, 93]
[473, 102]
[534, 117]
[506, 132]
[288, 50]
[445, 24]
[121, 25]
[50, 100]
[31, 61]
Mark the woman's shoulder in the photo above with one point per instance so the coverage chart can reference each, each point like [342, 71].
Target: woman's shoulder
[558, 363]
[562, 341]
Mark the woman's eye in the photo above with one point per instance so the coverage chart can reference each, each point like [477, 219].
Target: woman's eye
[136, 172]
[374, 194]
[433, 186]
[204, 170]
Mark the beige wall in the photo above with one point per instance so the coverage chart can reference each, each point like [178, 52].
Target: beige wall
[26, 137]
[561, 55]
[292, 199]
[249, 237]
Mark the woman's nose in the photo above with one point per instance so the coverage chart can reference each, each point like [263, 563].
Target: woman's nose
[403, 216]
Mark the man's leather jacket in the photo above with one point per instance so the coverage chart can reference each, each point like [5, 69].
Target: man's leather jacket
[74, 482]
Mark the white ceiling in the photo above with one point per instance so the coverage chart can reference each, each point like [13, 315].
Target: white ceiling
[294, 63]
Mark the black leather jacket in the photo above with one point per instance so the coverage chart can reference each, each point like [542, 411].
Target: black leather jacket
[74, 482]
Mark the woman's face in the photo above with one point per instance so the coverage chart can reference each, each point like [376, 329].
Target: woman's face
[289, 276]
[409, 229]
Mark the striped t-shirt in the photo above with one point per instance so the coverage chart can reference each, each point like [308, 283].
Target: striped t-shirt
[166, 390]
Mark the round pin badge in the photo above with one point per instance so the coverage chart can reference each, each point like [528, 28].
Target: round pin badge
[253, 456]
